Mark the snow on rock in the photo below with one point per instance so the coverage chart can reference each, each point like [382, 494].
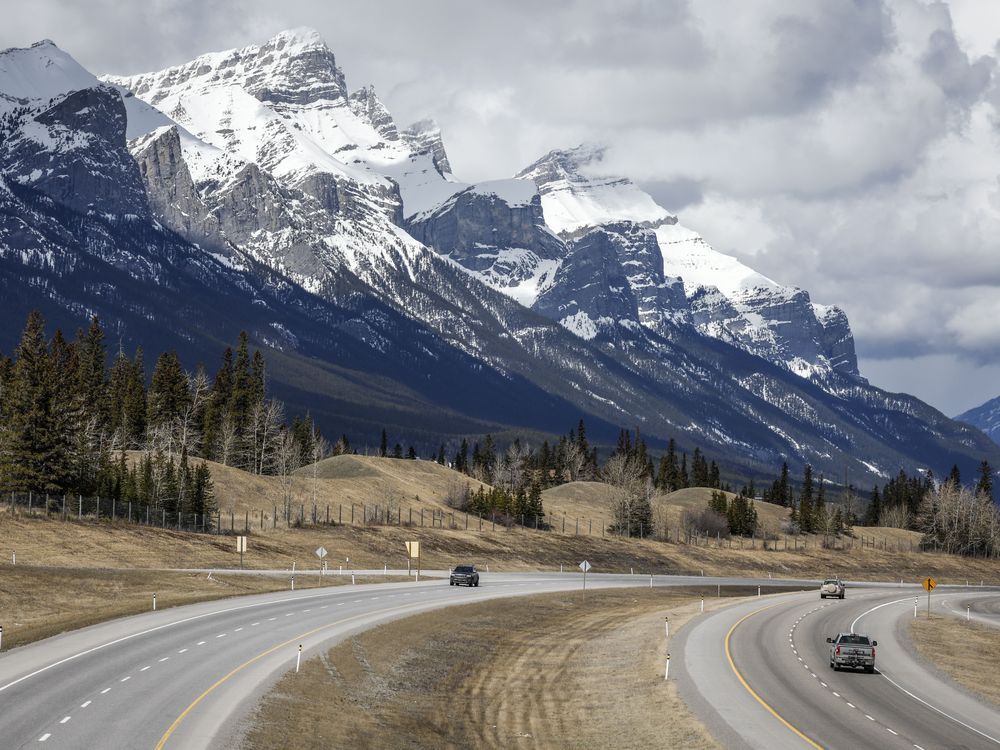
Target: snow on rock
[38, 73]
[573, 199]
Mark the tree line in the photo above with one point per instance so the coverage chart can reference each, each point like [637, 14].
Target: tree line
[68, 421]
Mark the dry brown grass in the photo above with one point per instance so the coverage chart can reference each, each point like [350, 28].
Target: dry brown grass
[340, 481]
[968, 652]
[590, 502]
[39, 541]
[551, 672]
[38, 602]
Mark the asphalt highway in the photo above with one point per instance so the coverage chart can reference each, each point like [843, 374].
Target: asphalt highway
[758, 674]
[185, 677]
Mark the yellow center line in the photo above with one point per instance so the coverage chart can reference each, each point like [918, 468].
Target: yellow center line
[177, 722]
[761, 701]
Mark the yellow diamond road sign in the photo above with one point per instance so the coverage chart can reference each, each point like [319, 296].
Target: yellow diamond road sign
[929, 584]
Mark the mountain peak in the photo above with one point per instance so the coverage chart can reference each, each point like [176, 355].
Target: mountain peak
[575, 200]
[303, 36]
[38, 73]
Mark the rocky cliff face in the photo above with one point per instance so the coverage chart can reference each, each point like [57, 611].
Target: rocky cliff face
[497, 232]
[79, 127]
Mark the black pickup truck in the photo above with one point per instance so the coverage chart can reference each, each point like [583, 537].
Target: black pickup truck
[464, 575]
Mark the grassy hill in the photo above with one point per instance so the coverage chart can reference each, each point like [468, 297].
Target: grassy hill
[339, 481]
[591, 503]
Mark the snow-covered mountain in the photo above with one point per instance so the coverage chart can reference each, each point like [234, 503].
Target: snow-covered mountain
[986, 417]
[251, 189]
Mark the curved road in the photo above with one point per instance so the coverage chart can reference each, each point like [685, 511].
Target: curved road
[184, 677]
[773, 686]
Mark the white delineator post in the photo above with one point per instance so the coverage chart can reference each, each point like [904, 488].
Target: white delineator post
[1, 637]
[666, 669]
[298, 659]
[154, 601]
[968, 613]
[666, 625]
[702, 602]
[352, 579]
[293, 583]
[914, 606]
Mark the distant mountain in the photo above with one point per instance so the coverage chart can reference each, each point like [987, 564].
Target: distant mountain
[252, 189]
[986, 417]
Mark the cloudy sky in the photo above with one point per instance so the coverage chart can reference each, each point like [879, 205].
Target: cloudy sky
[850, 148]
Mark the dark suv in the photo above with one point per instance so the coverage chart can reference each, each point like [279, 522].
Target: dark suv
[464, 574]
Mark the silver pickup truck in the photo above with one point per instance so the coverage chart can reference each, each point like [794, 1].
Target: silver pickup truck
[852, 650]
[832, 587]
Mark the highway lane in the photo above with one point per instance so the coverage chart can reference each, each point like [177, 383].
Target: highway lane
[983, 608]
[183, 678]
[792, 698]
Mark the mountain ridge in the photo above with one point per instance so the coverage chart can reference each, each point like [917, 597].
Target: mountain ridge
[443, 321]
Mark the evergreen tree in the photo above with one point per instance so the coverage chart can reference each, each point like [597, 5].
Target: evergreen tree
[168, 395]
[411, 453]
[92, 359]
[217, 408]
[874, 511]
[806, 520]
[383, 445]
[397, 451]
[819, 509]
[985, 484]
[955, 476]
[31, 444]
[440, 455]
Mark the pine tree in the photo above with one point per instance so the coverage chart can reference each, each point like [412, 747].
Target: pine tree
[383, 445]
[217, 407]
[168, 395]
[806, 519]
[985, 484]
[31, 444]
[440, 455]
[92, 359]
[955, 476]
[411, 453]
[874, 512]
[820, 517]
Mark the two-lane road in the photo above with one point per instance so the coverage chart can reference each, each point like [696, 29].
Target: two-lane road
[774, 686]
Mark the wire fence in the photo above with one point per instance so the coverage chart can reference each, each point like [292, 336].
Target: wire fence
[302, 515]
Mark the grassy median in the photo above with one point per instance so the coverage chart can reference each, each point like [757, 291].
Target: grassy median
[967, 652]
[546, 671]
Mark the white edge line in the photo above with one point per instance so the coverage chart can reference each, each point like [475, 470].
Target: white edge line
[935, 708]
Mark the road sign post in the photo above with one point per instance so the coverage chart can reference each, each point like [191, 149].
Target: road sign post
[929, 585]
[321, 553]
[413, 553]
[241, 547]
[585, 566]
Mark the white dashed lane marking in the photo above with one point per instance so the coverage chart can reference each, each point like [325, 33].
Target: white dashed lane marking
[64, 719]
[125, 679]
[106, 690]
[183, 650]
[85, 704]
[145, 668]
[44, 737]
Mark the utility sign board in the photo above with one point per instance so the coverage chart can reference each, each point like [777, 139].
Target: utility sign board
[321, 552]
[413, 549]
[929, 584]
[241, 544]
[585, 566]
